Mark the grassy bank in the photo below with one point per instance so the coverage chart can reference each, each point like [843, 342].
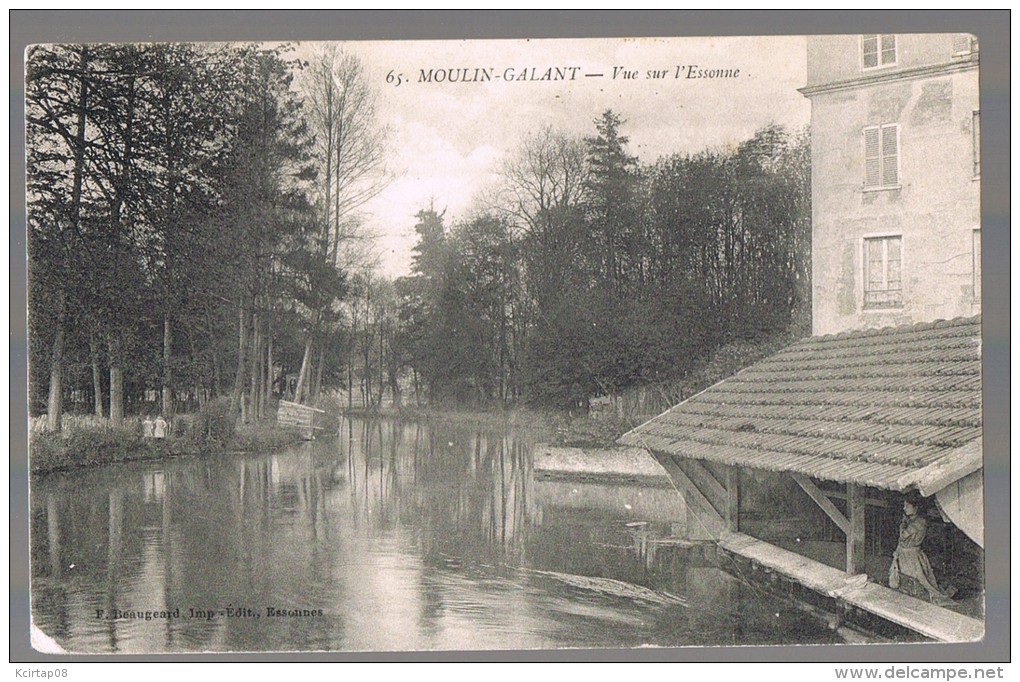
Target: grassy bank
[599, 429]
[591, 431]
[494, 417]
[89, 442]
[92, 442]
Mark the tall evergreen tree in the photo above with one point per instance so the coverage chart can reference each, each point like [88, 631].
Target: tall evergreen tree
[610, 206]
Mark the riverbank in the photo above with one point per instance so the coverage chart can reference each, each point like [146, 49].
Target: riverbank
[556, 428]
[86, 447]
[95, 442]
[597, 430]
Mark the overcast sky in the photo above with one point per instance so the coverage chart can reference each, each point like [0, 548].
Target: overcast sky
[448, 140]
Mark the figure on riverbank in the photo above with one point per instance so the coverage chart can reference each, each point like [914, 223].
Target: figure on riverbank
[911, 572]
[160, 427]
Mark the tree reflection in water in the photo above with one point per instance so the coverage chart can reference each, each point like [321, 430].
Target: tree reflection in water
[406, 535]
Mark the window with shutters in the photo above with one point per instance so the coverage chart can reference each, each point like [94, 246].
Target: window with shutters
[883, 282]
[878, 49]
[882, 157]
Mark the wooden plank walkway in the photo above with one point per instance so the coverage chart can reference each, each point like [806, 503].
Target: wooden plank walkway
[302, 416]
[930, 620]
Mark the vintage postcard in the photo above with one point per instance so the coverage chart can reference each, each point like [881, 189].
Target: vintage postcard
[505, 344]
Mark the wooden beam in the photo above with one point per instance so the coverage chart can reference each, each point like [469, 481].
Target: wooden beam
[870, 501]
[708, 484]
[818, 495]
[686, 486]
[733, 499]
[718, 470]
[855, 535]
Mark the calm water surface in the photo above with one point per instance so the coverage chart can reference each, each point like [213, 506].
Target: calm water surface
[389, 537]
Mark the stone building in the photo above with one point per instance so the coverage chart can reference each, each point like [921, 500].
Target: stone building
[799, 464]
[896, 168]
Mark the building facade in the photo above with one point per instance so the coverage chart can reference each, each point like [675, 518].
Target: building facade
[821, 442]
[895, 177]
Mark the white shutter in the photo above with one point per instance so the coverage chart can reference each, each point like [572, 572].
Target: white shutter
[872, 154]
[890, 156]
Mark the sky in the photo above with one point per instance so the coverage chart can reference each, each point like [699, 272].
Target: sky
[448, 140]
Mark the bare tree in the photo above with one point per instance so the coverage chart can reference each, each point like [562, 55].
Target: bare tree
[350, 150]
[543, 179]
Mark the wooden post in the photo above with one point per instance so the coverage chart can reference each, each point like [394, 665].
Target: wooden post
[733, 499]
[855, 533]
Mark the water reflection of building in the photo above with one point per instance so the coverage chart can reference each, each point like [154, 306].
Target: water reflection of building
[645, 515]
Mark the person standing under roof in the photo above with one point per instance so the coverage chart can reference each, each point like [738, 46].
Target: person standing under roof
[910, 561]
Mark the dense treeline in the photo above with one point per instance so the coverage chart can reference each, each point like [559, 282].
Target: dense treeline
[194, 233]
[191, 211]
[591, 274]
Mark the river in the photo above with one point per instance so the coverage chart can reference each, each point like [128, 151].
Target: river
[390, 536]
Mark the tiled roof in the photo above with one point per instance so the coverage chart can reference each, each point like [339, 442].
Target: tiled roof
[893, 408]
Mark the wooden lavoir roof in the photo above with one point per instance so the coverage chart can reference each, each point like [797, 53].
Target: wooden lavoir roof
[894, 408]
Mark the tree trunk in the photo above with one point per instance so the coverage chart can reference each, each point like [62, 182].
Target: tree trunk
[116, 391]
[366, 382]
[305, 373]
[361, 387]
[382, 384]
[317, 386]
[199, 386]
[267, 385]
[168, 395]
[256, 356]
[236, 402]
[55, 402]
[395, 382]
[350, 376]
[122, 189]
[263, 374]
[306, 360]
[216, 383]
[398, 399]
[79, 147]
[97, 377]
